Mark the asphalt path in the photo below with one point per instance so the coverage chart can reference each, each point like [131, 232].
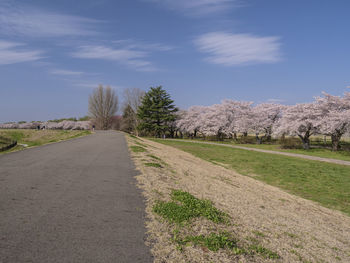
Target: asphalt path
[73, 201]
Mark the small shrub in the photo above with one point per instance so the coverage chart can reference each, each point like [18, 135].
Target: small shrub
[290, 143]
[247, 140]
[137, 149]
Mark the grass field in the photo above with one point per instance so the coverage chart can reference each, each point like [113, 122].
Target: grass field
[37, 138]
[328, 184]
[319, 152]
[315, 151]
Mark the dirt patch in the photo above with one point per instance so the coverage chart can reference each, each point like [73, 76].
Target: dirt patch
[298, 230]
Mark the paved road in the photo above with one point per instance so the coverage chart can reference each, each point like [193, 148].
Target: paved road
[74, 201]
[303, 156]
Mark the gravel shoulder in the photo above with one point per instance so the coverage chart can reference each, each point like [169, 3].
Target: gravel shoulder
[298, 230]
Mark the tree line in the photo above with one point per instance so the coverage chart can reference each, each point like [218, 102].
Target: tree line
[153, 113]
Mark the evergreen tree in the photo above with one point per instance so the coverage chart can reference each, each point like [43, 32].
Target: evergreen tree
[156, 112]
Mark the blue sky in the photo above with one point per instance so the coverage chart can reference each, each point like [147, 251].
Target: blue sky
[53, 53]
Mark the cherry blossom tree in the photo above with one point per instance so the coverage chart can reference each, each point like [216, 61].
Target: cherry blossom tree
[190, 121]
[264, 117]
[334, 116]
[300, 120]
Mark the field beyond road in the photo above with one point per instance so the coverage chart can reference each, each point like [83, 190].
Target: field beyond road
[326, 183]
[30, 137]
[74, 201]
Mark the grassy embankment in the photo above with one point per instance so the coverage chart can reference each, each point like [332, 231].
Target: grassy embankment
[37, 138]
[328, 184]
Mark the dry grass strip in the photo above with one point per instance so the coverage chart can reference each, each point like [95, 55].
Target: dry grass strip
[298, 230]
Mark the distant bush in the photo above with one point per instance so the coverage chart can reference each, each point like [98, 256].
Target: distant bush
[247, 140]
[290, 143]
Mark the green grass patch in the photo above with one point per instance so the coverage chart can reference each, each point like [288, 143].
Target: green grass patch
[141, 144]
[134, 137]
[213, 242]
[318, 152]
[185, 207]
[154, 157]
[156, 165]
[326, 183]
[264, 252]
[137, 149]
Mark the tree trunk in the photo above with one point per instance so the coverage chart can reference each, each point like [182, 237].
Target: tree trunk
[268, 137]
[258, 140]
[245, 134]
[235, 136]
[306, 140]
[195, 133]
[335, 141]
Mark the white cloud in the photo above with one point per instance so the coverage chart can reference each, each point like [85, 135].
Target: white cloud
[237, 49]
[128, 56]
[21, 20]
[66, 72]
[11, 53]
[197, 7]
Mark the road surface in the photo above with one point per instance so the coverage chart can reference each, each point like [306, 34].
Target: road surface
[73, 201]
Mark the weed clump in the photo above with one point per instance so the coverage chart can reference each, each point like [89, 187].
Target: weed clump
[185, 206]
[156, 165]
[137, 149]
[213, 242]
[264, 252]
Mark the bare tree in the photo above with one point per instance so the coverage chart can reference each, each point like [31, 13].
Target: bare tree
[103, 104]
[132, 101]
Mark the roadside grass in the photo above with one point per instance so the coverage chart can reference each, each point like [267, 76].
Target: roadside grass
[154, 157]
[185, 207]
[37, 138]
[326, 183]
[137, 149]
[212, 241]
[156, 165]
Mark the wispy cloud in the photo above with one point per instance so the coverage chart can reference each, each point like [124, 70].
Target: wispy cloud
[236, 49]
[129, 56]
[197, 7]
[22, 20]
[65, 72]
[132, 44]
[11, 53]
